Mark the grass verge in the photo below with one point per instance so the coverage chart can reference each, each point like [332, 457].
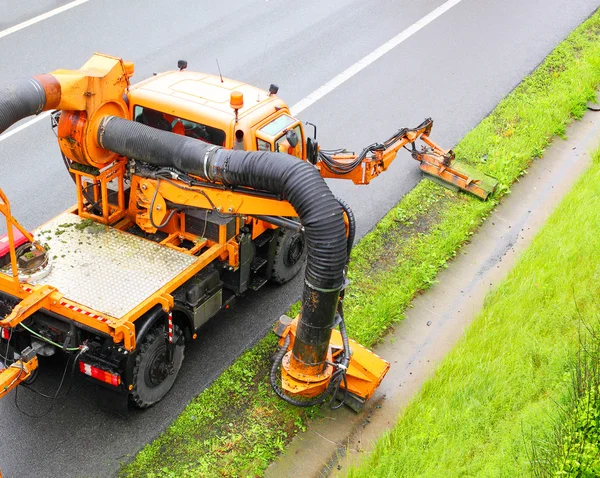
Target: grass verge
[508, 373]
[572, 446]
[400, 257]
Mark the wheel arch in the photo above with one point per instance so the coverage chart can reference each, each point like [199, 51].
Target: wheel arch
[145, 323]
[181, 317]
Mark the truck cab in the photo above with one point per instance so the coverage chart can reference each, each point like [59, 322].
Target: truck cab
[219, 111]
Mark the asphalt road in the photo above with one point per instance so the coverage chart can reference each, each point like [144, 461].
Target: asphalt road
[455, 69]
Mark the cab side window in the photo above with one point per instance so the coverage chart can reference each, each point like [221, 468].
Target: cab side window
[174, 124]
[263, 145]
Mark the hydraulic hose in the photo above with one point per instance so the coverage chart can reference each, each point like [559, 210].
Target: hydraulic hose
[296, 181]
[351, 224]
[28, 97]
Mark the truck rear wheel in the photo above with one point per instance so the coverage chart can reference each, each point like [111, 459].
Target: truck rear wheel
[290, 256]
[153, 376]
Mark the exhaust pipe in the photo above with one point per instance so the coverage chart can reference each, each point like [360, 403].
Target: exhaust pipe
[296, 181]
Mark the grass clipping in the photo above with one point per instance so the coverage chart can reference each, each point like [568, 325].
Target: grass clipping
[237, 426]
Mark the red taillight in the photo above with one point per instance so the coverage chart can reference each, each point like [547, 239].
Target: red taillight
[99, 374]
[5, 333]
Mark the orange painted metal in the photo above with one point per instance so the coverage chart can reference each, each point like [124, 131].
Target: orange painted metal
[373, 166]
[258, 226]
[87, 95]
[34, 298]
[12, 223]
[99, 182]
[204, 99]
[221, 200]
[296, 378]
[52, 89]
[97, 90]
[42, 297]
[435, 162]
[365, 371]
[15, 374]
[438, 165]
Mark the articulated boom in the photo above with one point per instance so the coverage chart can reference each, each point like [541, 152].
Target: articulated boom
[375, 159]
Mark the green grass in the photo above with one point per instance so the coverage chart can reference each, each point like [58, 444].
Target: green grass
[430, 224]
[396, 260]
[232, 429]
[510, 370]
[571, 447]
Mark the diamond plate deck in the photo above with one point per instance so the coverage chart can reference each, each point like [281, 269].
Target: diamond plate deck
[103, 268]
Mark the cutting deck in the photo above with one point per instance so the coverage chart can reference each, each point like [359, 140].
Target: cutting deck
[103, 268]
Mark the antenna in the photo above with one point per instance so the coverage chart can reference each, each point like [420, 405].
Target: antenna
[219, 68]
[262, 64]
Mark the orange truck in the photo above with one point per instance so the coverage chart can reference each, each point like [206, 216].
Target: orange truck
[191, 190]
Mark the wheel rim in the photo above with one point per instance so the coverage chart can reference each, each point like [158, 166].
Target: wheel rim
[157, 370]
[295, 250]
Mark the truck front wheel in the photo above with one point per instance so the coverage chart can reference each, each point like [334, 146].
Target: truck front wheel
[153, 375]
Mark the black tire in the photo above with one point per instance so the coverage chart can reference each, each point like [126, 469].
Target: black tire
[151, 380]
[290, 256]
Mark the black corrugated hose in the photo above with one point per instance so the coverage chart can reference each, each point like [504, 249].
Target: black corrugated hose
[296, 181]
[21, 99]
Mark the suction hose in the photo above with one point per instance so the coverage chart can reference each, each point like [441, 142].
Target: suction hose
[296, 181]
[28, 97]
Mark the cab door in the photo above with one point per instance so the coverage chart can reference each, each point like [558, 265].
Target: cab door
[285, 142]
[283, 134]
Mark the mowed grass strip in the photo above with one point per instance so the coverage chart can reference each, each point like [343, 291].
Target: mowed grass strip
[404, 252]
[503, 381]
[237, 426]
[571, 446]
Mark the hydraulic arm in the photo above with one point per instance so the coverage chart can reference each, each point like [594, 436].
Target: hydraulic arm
[376, 158]
[17, 372]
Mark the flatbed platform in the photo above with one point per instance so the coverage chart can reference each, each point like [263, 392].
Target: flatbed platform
[103, 268]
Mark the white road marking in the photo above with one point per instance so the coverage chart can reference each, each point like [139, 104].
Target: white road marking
[307, 100]
[13, 131]
[371, 57]
[41, 17]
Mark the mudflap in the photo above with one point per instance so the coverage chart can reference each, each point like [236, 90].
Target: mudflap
[113, 400]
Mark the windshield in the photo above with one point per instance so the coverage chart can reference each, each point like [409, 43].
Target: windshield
[277, 125]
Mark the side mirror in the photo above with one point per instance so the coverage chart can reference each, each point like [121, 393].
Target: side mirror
[292, 138]
[312, 150]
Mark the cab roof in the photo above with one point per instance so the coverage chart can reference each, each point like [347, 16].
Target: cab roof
[194, 88]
